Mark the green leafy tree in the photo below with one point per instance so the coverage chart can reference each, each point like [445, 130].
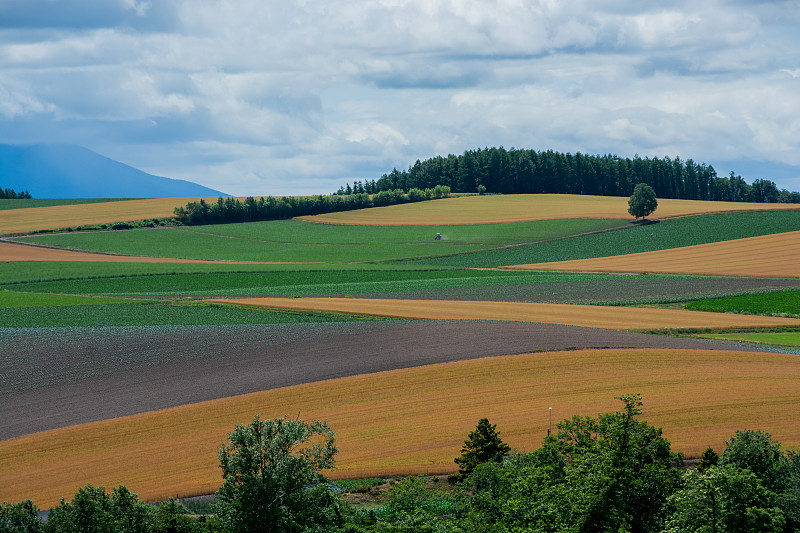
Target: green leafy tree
[620, 473]
[92, 509]
[272, 480]
[724, 498]
[758, 452]
[643, 201]
[20, 517]
[482, 445]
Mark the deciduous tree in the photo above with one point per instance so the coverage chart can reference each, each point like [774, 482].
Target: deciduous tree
[643, 201]
[272, 477]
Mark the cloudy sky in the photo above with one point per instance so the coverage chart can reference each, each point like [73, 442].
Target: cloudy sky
[300, 96]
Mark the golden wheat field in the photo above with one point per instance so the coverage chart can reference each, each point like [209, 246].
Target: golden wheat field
[64, 216]
[595, 316]
[523, 208]
[775, 256]
[391, 423]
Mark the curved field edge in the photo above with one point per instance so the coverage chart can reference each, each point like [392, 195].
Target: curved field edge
[17, 252]
[63, 216]
[595, 316]
[521, 208]
[415, 420]
[765, 256]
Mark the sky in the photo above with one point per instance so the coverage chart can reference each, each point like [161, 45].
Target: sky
[277, 97]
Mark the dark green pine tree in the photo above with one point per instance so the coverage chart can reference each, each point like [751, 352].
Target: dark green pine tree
[482, 445]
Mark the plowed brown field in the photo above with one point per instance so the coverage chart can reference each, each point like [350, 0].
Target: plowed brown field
[13, 252]
[594, 316]
[392, 422]
[523, 208]
[766, 256]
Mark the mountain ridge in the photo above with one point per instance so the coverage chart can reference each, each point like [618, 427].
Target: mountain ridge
[71, 171]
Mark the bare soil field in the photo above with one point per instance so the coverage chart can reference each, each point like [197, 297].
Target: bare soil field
[767, 256]
[391, 422]
[594, 316]
[15, 252]
[523, 208]
[65, 376]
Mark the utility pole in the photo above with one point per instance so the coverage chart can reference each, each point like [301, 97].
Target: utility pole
[550, 428]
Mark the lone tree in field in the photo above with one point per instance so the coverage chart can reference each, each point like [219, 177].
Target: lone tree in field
[272, 479]
[643, 201]
[482, 445]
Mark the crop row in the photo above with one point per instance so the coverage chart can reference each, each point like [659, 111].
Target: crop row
[784, 303]
[171, 242]
[671, 233]
[151, 314]
[302, 282]
[300, 231]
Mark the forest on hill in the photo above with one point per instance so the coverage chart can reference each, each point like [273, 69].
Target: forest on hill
[524, 171]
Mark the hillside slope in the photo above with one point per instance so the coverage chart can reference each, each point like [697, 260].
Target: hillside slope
[67, 171]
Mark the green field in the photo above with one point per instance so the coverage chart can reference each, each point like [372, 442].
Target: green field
[304, 283]
[670, 233]
[300, 241]
[153, 314]
[776, 339]
[299, 231]
[9, 299]
[784, 303]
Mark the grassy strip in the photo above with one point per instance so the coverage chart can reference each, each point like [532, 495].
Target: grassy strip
[12, 299]
[299, 231]
[155, 314]
[671, 233]
[304, 283]
[783, 303]
[20, 272]
[776, 339]
[414, 421]
[49, 202]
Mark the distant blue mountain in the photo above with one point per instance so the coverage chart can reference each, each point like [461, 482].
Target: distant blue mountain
[67, 171]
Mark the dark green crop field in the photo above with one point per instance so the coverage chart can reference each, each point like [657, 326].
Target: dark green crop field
[784, 303]
[302, 283]
[670, 233]
[153, 314]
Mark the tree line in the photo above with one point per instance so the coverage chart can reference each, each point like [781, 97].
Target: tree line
[524, 171]
[11, 194]
[230, 209]
[613, 473]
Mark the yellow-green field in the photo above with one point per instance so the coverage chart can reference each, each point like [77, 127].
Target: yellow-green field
[415, 420]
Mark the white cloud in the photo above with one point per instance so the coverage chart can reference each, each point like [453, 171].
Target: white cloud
[294, 95]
